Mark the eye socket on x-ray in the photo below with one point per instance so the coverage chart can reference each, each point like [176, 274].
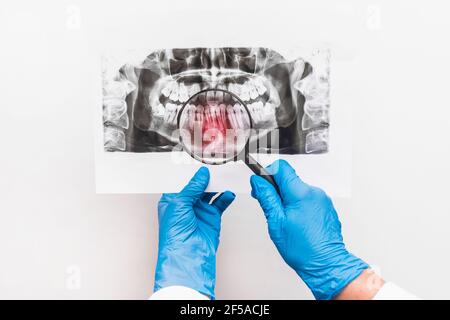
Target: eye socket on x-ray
[214, 126]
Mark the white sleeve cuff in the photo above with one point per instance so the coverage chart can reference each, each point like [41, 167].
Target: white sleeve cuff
[390, 291]
[177, 293]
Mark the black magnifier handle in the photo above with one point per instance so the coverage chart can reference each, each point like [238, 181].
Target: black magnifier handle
[260, 170]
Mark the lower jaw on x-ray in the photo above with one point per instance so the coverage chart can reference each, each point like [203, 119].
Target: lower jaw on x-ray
[288, 100]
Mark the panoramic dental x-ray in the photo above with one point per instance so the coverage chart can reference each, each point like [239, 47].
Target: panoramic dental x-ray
[287, 100]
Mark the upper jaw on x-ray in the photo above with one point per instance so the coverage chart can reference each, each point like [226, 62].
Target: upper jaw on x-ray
[288, 100]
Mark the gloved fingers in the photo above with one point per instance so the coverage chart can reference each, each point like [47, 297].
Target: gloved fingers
[223, 201]
[292, 188]
[267, 197]
[207, 214]
[195, 189]
[207, 196]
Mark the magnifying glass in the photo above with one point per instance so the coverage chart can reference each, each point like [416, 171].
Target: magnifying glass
[215, 128]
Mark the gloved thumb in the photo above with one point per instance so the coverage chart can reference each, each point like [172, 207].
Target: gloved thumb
[194, 190]
[267, 197]
[223, 201]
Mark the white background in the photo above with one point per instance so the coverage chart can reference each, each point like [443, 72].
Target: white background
[59, 239]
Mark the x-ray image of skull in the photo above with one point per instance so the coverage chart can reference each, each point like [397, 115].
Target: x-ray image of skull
[288, 100]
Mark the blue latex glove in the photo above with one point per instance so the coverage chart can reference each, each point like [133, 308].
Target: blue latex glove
[306, 230]
[189, 229]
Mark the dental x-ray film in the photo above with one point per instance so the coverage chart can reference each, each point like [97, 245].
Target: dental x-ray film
[286, 94]
[288, 99]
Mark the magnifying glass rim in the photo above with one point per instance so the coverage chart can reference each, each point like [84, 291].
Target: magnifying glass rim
[192, 154]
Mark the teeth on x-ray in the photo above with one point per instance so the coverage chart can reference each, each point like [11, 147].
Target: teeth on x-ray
[252, 91]
[219, 116]
[183, 93]
[317, 141]
[114, 139]
[259, 85]
[159, 111]
[193, 89]
[292, 95]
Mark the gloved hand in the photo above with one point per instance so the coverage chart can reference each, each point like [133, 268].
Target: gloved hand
[189, 228]
[306, 230]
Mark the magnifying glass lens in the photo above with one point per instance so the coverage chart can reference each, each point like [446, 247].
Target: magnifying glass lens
[214, 126]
